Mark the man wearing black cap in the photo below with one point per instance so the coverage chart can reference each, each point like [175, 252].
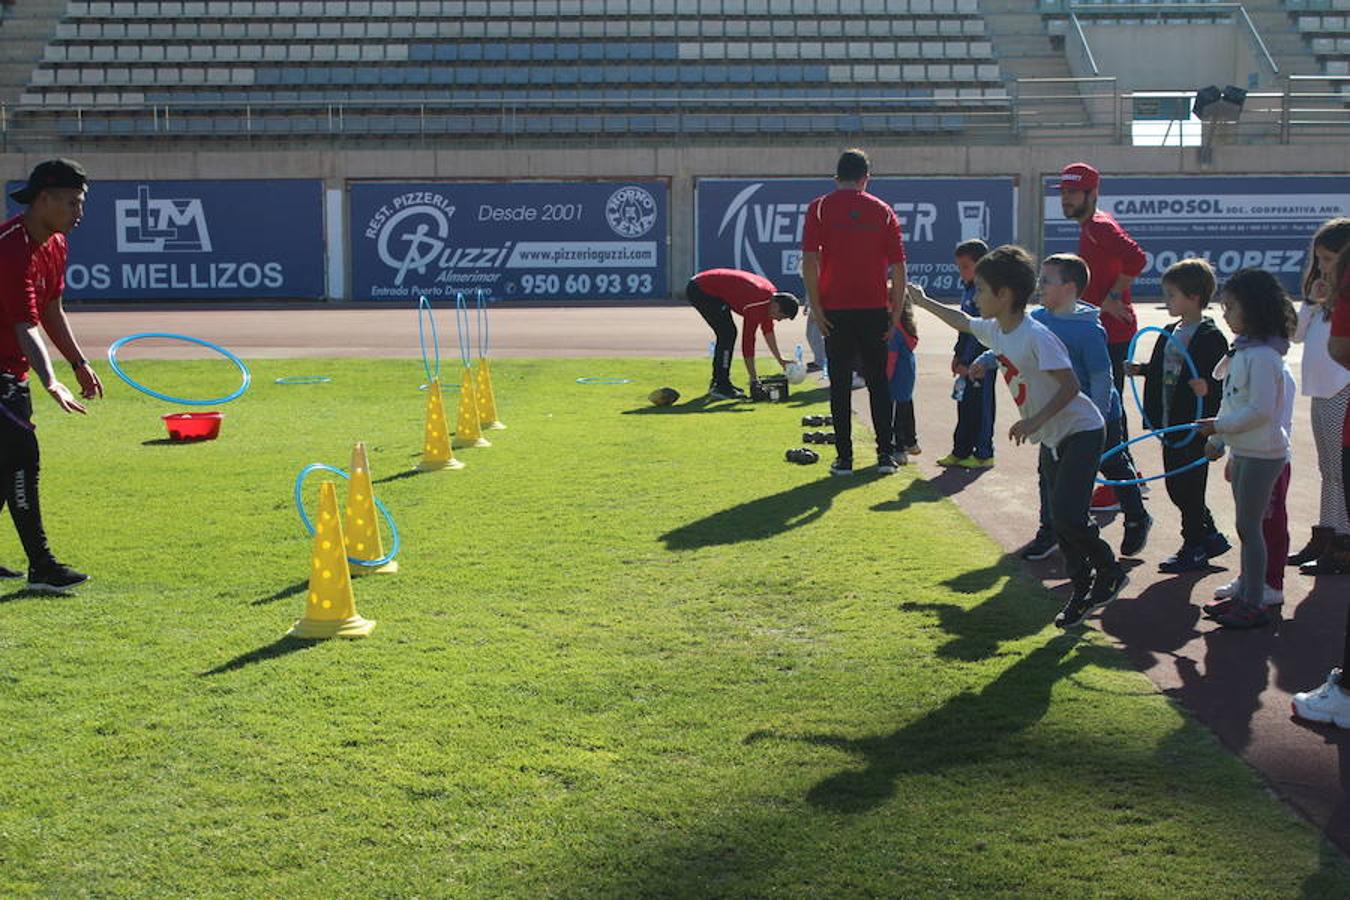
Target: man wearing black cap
[32, 278]
[716, 293]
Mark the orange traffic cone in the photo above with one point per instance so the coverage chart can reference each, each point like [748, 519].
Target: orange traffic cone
[330, 607]
[362, 527]
[468, 433]
[487, 403]
[436, 452]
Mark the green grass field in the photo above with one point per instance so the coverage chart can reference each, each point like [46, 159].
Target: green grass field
[630, 653]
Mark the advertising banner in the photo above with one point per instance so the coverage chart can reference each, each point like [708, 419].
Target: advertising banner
[1235, 222]
[517, 240]
[197, 240]
[756, 225]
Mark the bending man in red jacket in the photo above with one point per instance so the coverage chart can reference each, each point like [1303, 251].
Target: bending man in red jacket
[715, 294]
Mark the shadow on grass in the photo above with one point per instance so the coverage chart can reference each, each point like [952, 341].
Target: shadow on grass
[764, 517]
[278, 648]
[170, 442]
[931, 490]
[23, 593]
[399, 476]
[703, 404]
[986, 721]
[1019, 609]
[288, 591]
[809, 398]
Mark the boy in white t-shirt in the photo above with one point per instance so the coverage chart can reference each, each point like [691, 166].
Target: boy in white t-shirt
[1053, 412]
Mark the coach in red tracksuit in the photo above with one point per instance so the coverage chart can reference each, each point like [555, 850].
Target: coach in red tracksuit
[1114, 260]
[851, 245]
[716, 293]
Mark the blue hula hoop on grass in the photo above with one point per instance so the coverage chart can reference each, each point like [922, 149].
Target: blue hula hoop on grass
[214, 401]
[604, 380]
[462, 328]
[303, 379]
[1120, 448]
[484, 335]
[424, 310]
[309, 526]
[1134, 387]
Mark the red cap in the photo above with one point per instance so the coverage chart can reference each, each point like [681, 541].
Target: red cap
[1079, 177]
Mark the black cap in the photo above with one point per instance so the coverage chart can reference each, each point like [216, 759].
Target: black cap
[787, 303]
[53, 173]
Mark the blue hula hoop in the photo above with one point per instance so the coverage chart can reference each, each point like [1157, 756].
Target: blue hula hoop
[424, 306]
[214, 401]
[309, 526]
[303, 379]
[462, 327]
[1120, 448]
[484, 336]
[1134, 387]
[603, 380]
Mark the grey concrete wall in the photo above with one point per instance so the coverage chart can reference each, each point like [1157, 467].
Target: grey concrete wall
[1175, 57]
[1026, 163]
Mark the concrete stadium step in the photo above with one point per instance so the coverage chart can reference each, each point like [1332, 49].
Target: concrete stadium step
[24, 31]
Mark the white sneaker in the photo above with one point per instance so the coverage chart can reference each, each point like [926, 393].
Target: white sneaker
[1224, 591]
[1327, 703]
[1271, 597]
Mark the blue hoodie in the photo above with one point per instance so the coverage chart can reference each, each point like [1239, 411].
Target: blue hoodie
[1083, 335]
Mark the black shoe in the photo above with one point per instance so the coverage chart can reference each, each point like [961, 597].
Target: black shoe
[803, 456]
[9, 573]
[1108, 585]
[1078, 607]
[841, 466]
[727, 392]
[55, 578]
[1190, 558]
[1041, 546]
[813, 367]
[1136, 536]
[1216, 545]
[887, 464]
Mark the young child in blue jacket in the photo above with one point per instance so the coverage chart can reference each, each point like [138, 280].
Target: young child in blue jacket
[973, 437]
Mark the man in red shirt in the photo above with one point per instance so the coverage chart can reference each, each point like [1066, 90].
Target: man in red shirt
[1331, 701]
[716, 293]
[1114, 261]
[32, 278]
[850, 244]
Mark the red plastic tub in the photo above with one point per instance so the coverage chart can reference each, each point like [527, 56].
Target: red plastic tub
[204, 426]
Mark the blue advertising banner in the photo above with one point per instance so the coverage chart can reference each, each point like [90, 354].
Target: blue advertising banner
[1234, 222]
[756, 225]
[517, 240]
[197, 240]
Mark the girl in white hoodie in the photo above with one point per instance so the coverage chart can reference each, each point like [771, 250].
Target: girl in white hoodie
[1257, 386]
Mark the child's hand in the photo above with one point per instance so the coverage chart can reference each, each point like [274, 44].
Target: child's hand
[1199, 387]
[975, 371]
[1319, 292]
[958, 369]
[1204, 427]
[1134, 368]
[1213, 451]
[1019, 433]
[1228, 471]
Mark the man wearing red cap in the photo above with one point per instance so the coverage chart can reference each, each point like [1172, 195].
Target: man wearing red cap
[1114, 261]
[32, 278]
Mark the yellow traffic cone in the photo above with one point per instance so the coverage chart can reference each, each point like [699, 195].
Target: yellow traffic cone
[468, 433]
[362, 527]
[330, 610]
[487, 403]
[436, 452]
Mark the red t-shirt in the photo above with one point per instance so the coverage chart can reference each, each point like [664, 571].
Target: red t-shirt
[31, 276]
[1340, 327]
[858, 237]
[1110, 252]
[746, 293]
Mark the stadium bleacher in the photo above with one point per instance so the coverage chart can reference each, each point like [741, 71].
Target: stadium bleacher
[605, 66]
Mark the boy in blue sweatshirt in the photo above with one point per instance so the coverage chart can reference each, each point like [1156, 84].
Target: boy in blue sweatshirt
[973, 437]
[1063, 279]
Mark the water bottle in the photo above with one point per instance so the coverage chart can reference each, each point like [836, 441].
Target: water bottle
[799, 353]
[959, 388]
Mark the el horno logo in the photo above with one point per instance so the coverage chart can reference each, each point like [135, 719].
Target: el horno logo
[631, 211]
